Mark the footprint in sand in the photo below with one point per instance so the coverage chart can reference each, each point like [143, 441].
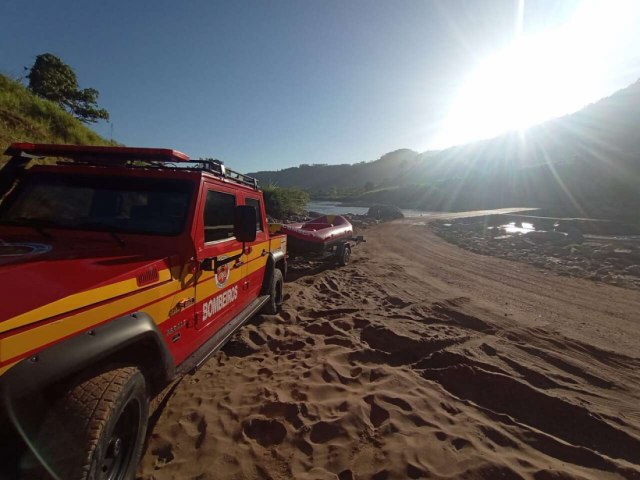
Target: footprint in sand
[195, 426]
[398, 402]
[396, 302]
[460, 443]
[345, 475]
[238, 348]
[279, 346]
[340, 341]
[256, 338]
[498, 438]
[288, 411]
[323, 432]
[441, 436]
[324, 328]
[377, 415]
[163, 453]
[267, 432]
[304, 446]
[381, 475]
[414, 472]
[343, 325]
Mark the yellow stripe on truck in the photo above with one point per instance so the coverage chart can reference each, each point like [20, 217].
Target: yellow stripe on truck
[77, 301]
[21, 343]
[31, 339]
[256, 265]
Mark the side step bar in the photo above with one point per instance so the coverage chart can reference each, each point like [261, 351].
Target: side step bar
[217, 341]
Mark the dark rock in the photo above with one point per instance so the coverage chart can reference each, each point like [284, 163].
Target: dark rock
[633, 270]
[540, 237]
[574, 234]
[385, 212]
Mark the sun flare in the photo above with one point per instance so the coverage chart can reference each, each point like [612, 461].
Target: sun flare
[542, 76]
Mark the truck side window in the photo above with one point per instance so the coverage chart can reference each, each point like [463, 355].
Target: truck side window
[218, 216]
[252, 202]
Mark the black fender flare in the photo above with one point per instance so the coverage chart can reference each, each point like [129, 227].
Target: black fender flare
[274, 259]
[81, 351]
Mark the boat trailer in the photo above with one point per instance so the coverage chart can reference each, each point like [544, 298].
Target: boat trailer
[338, 252]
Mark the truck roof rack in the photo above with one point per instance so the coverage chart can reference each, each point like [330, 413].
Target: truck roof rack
[218, 168]
[129, 157]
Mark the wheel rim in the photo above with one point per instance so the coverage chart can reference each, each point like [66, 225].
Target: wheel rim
[121, 445]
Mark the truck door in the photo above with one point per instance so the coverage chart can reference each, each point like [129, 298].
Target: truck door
[219, 294]
[257, 252]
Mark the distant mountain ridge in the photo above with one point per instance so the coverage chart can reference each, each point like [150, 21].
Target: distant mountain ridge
[320, 177]
[585, 163]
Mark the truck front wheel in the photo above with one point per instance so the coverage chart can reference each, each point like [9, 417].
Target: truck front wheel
[275, 294]
[97, 429]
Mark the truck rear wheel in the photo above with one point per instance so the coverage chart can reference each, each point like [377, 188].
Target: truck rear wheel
[275, 294]
[97, 429]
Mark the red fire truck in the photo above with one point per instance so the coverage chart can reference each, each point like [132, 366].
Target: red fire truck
[120, 270]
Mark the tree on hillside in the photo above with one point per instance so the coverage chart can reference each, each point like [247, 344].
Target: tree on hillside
[54, 80]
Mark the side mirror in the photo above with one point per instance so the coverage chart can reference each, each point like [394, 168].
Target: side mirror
[244, 223]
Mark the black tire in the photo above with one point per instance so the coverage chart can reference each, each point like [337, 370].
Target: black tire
[344, 255]
[97, 429]
[275, 294]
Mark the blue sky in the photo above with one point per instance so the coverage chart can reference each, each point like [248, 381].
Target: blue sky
[271, 84]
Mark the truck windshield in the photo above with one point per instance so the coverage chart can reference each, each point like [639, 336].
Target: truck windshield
[90, 202]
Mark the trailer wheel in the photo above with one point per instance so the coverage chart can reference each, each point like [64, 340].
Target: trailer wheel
[97, 429]
[275, 294]
[344, 255]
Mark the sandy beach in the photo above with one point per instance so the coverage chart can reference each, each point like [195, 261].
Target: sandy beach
[418, 360]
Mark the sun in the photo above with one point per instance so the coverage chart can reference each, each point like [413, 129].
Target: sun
[542, 76]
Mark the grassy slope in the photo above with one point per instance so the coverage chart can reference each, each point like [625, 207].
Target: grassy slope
[25, 117]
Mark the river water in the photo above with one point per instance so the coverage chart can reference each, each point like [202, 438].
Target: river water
[335, 208]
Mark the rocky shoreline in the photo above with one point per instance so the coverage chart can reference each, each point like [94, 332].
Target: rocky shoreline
[607, 258]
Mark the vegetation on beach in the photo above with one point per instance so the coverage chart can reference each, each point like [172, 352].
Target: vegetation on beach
[280, 202]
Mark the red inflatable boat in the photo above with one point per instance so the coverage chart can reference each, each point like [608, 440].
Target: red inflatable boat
[317, 234]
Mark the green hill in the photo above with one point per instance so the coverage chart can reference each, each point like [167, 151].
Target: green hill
[24, 117]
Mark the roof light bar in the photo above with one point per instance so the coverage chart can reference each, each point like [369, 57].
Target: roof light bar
[92, 151]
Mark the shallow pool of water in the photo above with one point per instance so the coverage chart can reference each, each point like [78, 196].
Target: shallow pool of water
[523, 227]
[336, 208]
